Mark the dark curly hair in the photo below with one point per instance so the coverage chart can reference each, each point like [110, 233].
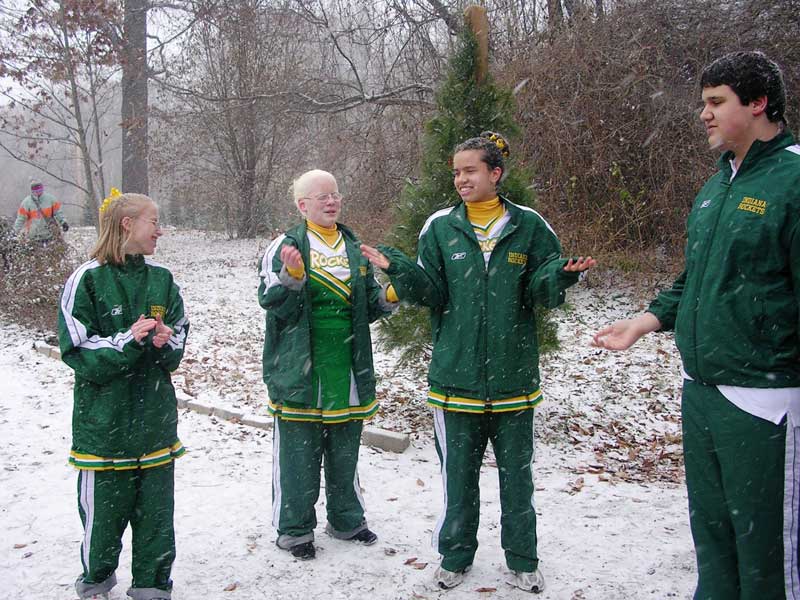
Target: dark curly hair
[750, 75]
[494, 148]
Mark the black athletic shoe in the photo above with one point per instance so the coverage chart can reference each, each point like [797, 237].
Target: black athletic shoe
[304, 551]
[365, 536]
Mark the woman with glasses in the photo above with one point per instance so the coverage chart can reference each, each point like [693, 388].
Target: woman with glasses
[320, 295]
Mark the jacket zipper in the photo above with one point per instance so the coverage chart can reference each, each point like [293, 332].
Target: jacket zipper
[701, 276]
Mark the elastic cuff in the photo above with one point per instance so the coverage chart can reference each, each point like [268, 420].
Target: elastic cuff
[286, 542]
[345, 535]
[455, 565]
[290, 282]
[386, 304]
[523, 565]
[87, 590]
[149, 594]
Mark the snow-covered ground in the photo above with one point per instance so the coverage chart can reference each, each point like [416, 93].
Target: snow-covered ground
[612, 511]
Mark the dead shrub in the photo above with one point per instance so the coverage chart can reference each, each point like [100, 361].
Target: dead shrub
[31, 281]
[610, 115]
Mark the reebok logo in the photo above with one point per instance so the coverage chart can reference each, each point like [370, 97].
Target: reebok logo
[458, 256]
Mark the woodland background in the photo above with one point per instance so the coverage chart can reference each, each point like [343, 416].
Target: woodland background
[215, 105]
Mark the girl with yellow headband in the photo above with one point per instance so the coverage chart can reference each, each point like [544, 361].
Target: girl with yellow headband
[122, 329]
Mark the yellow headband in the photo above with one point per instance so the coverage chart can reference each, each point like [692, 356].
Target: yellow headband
[113, 195]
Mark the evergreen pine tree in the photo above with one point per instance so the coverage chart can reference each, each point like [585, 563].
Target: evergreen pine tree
[465, 109]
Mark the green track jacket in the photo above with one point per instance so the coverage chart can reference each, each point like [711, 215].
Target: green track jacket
[735, 308]
[287, 344]
[482, 317]
[125, 413]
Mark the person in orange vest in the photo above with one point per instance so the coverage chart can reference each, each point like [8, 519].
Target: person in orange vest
[39, 217]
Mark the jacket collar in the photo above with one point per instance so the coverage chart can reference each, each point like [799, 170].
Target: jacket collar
[133, 263]
[458, 217]
[757, 150]
[299, 231]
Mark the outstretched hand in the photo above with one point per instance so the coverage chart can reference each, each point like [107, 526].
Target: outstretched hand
[580, 265]
[142, 327]
[375, 257]
[162, 333]
[291, 257]
[621, 335]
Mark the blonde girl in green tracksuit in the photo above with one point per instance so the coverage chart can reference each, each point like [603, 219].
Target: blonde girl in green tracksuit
[122, 329]
[735, 310]
[483, 267]
[320, 296]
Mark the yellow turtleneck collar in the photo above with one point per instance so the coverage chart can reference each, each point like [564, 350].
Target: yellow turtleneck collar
[329, 234]
[483, 212]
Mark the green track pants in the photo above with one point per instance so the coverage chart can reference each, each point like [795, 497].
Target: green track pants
[298, 451]
[107, 502]
[743, 483]
[461, 440]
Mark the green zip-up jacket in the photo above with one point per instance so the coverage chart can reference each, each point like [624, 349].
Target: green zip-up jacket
[736, 306]
[125, 414]
[287, 344]
[483, 317]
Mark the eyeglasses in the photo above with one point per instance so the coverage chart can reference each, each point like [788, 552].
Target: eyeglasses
[323, 197]
[154, 222]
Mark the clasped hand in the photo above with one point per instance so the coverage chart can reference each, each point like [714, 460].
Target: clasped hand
[144, 325]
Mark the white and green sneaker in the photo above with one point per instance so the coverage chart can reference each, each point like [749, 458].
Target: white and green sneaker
[447, 580]
[527, 581]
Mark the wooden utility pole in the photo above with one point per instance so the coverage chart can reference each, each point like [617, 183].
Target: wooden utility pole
[478, 22]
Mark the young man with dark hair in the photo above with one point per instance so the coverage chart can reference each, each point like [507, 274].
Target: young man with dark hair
[735, 310]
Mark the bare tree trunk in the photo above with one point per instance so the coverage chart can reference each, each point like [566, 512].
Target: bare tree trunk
[76, 106]
[555, 15]
[91, 203]
[599, 10]
[571, 7]
[134, 98]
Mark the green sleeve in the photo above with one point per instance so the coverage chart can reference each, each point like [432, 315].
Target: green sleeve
[170, 354]
[549, 281]
[375, 308]
[794, 261]
[420, 282]
[95, 357]
[273, 295]
[665, 306]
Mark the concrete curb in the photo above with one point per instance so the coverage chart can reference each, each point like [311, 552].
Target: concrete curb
[375, 437]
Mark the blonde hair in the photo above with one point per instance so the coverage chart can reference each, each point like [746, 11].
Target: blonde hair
[110, 246]
[301, 184]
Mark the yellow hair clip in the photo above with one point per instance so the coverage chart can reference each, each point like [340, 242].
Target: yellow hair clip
[112, 195]
[498, 141]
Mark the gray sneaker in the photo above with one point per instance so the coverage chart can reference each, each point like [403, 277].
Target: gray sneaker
[529, 582]
[447, 580]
